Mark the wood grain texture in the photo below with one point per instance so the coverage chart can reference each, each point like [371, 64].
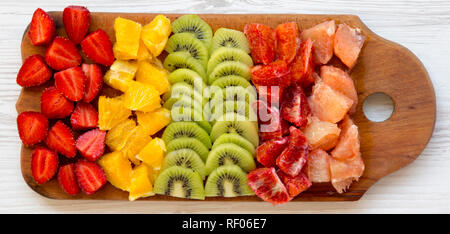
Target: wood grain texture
[423, 27]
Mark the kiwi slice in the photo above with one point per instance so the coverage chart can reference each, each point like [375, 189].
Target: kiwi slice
[230, 81]
[183, 89]
[188, 143]
[186, 129]
[183, 59]
[182, 113]
[240, 107]
[231, 123]
[189, 43]
[227, 181]
[184, 101]
[180, 182]
[229, 68]
[235, 139]
[225, 37]
[185, 158]
[224, 54]
[229, 154]
[195, 25]
[234, 93]
[189, 77]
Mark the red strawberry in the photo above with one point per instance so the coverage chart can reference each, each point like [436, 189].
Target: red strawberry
[67, 179]
[90, 176]
[94, 81]
[60, 139]
[293, 158]
[268, 152]
[70, 82]
[91, 144]
[98, 47]
[77, 20]
[42, 28]
[44, 164]
[294, 184]
[34, 72]
[84, 116]
[54, 105]
[62, 54]
[32, 126]
[267, 185]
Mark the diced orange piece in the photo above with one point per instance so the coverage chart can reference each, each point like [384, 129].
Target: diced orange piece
[116, 138]
[137, 140]
[344, 172]
[127, 34]
[340, 81]
[143, 53]
[141, 97]
[117, 169]
[328, 104]
[348, 145]
[141, 183]
[348, 43]
[153, 153]
[111, 111]
[154, 121]
[151, 74]
[318, 166]
[322, 36]
[321, 134]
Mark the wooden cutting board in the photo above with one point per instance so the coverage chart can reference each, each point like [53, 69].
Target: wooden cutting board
[383, 66]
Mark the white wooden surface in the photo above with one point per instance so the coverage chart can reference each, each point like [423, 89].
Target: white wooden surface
[422, 26]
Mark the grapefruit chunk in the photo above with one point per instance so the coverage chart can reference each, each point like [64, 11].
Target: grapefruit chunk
[348, 43]
[322, 134]
[344, 172]
[267, 185]
[348, 144]
[328, 104]
[322, 36]
[318, 166]
[340, 81]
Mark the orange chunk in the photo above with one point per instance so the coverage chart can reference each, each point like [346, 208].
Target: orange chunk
[321, 134]
[141, 97]
[137, 140]
[340, 81]
[348, 43]
[141, 184]
[322, 36]
[153, 153]
[318, 166]
[151, 74]
[117, 169]
[154, 121]
[111, 112]
[116, 138]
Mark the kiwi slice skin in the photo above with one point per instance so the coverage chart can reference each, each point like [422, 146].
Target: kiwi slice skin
[228, 181]
[225, 37]
[189, 77]
[180, 182]
[231, 81]
[229, 68]
[229, 154]
[231, 123]
[195, 25]
[185, 158]
[188, 143]
[186, 129]
[183, 59]
[224, 54]
[235, 139]
[189, 43]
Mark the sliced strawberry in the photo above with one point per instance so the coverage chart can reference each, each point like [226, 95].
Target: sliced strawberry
[302, 68]
[62, 54]
[32, 126]
[98, 47]
[293, 158]
[270, 74]
[294, 184]
[90, 176]
[263, 42]
[60, 139]
[85, 116]
[266, 185]
[70, 82]
[288, 41]
[295, 107]
[34, 72]
[77, 20]
[44, 164]
[91, 144]
[54, 105]
[268, 152]
[67, 179]
[42, 28]
[94, 81]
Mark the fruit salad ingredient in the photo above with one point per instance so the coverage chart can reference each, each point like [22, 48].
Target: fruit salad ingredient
[267, 185]
[268, 152]
[32, 126]
[153, 121]
[128, 34]
[318, 166]
[77, 20]
[180, 182]
[141, 185]
[271, 74]
[54, 105]
[348, 144]
[150, 74]
[42, 28]
[60, 139]
[136, 141]
[229, 38]
[141, 97]
[91, 144]
[262, 41]
[288, 41]
[70, 83]
[294, 184]
[229, 154]
[293, 158]
[85, 116]
[111, 111]
[155, 34]
[344, 172]
[90, 176]
[62, 54]
[322, 134]
[98, 47]
[117, 169]
[118, 135]
[94, 81]
[44, 164]
[120, 74]
[302, 68]
[33, 72]
[348, 43]
[322, 36]
[153, 153]
[67, 179]
[227, 181]
[195, 25]
[295, 107]
[186, 158]
[340, 81]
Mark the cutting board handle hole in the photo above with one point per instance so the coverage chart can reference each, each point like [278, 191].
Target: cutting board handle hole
[378, 107]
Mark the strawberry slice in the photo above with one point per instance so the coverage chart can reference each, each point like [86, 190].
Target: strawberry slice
[90, 176]
[62, 54]
[54, 105]
[302, 69]
[293, 158]
[271, 74]
[268, 152]
[34, 72]
[267, 185]
[85, 116]
[77, 20]
[60, 139]
[42, 28]
[98, 47]
[295, 107]
[32, 126]
[44, 164]
[70, 82]
[67, 179]
[294, 184]
[94, 81]
[91, 144]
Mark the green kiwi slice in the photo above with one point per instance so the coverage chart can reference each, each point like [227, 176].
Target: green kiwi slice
[235, 139]
[239, 107]
[227, 181]
[182, 113]
[189, 43]
[180, 182]
[230, 81]
[229, 68]
[185, 158]
[189, 77]
[184, 101]
[183, 59]
[195, 25]
[235, 123]
[229, 154]
[183, 89]
[186, 129]
[224, 54]
[225, 37]
[188, 143]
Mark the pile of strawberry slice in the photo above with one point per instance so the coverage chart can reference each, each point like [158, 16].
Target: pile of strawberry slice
[66, 102]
